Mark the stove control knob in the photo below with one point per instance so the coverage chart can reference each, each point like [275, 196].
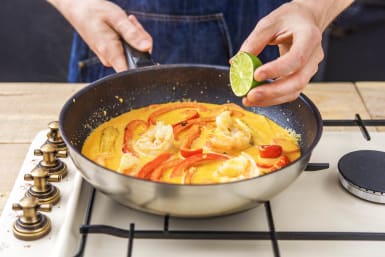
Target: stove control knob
[54, 136]
[31, 225]
[50, 161]
[44, 191]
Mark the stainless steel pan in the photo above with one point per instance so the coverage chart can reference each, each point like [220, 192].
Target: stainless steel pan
[99, 101]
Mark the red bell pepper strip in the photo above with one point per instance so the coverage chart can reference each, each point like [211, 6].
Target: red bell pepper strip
[189, 152]
[264, 165]
[153, 116]
[148, 168]
[191, 135]
[192, 114]
[128, 133]
[185, 125]
[195, 160]
[158, 172]
[182, 127]
[270, 151]
[282, 162]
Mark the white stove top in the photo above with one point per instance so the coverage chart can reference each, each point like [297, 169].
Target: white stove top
[315, 202]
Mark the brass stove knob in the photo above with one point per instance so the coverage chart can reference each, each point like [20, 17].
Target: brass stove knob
[54, 136]
[45, 192]
[50, 161]
[31, 224]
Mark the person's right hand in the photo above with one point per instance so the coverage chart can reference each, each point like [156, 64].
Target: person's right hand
[102, 25]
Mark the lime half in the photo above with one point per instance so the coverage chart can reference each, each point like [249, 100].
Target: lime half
[242, 70]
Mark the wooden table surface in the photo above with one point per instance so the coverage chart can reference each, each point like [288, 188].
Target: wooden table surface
[27, 108]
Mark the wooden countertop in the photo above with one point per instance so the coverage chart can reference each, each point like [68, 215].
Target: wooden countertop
[27, 108]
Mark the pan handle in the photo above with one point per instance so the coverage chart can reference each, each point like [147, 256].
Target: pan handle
[317, 166]
[135, 58]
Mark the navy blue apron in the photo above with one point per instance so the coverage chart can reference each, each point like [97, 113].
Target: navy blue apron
[184, 31]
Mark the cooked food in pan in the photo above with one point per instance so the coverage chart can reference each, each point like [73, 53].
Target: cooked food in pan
[192, 143]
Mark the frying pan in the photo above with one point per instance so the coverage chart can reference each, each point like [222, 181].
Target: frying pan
[101, 100]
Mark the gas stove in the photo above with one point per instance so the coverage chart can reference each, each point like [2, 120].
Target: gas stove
[314, 216]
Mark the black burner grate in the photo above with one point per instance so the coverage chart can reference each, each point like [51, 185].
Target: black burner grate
[362, 124]
[272, 235]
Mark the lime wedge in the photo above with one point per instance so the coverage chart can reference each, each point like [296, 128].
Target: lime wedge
[242, 70]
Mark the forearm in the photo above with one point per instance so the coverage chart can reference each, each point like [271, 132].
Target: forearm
[58, 4]
[65, 7]
[325, 11]
[72, 9]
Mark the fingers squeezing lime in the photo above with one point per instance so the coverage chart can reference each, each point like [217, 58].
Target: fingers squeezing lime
[242, 70]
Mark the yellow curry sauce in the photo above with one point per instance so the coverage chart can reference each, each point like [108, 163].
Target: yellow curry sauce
[191, 143]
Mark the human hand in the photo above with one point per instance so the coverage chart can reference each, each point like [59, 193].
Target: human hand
[295, 30]
[102, 24]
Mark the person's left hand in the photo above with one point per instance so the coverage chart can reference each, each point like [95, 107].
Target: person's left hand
[294, 29]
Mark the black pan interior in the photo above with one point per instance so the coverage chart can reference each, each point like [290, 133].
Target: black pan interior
[119, 93]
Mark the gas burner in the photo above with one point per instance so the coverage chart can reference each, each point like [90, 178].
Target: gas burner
[362, 173]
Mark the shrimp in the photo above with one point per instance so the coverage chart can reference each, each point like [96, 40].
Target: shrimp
[158, 139]
[129, 164]
[236, 168]
[230, 134]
